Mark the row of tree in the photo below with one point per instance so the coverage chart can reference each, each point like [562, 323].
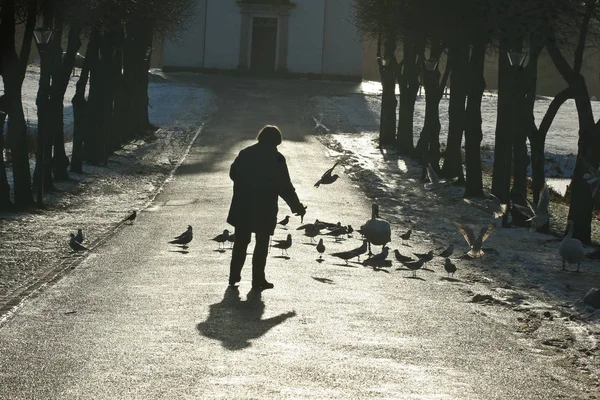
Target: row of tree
[110, 105]
[462, 33]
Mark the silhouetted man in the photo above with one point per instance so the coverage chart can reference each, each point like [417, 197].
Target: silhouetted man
[260, 175]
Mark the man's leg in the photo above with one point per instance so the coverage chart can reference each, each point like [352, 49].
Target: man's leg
[238, 256]
[259, 261]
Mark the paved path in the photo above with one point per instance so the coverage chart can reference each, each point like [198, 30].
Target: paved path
[140, 319]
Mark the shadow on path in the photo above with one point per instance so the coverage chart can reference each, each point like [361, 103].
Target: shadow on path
[235, 322]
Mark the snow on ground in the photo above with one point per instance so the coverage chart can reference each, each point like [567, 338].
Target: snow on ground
[98, 199]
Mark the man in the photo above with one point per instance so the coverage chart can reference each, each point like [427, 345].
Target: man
[260, 175]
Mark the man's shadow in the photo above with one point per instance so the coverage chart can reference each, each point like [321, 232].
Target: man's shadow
[235, 322]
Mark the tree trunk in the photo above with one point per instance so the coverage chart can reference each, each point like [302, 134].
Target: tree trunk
[91, 141]
[459, 61]
[5, 202]
[387, 126]
[473, 131]
[408, 81]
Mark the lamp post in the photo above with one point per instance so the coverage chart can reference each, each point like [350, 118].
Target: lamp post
[43, 36]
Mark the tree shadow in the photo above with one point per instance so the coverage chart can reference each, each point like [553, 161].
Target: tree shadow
[415, 277]
[179, 251]
[282, 257]
[449, 279]
[235, 322]
[219, 250]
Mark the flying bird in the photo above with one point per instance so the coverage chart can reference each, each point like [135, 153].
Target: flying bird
[221, 238]
[570, 249]
[592, 176]
[284, 221]
[434, 181]
[350, 254]
[449, 266]
[474, 242]
[537, 213]
[321, 248]
[327, 178]
[494, 207]
[406, 236]
[131, 217]
[284, 245]
[79, 237]
[402, 258]
[447, 251]
[75, 245]
[184, 238]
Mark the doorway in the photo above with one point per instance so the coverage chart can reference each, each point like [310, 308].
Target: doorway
[264, 45]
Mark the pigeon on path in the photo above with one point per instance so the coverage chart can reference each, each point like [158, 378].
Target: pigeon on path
[131, 217]
[406, 236]
[425, 256]
[284, 245]
[184, 238]
[414, 266]
[474, 242]
[402, 258]
[338, 232]
[75, 245]
[379, 258]
[447, 251]
[311, 232]
[327, 178]
[449, 267]
[222, 238]
[284, 221]
[79, 237]
[354, 253]
[321, 248]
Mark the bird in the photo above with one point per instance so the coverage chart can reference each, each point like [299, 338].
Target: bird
[221, 238]
[570, 249]
[378, 258]
[284, 245]
[337, 232]
[184, 238]
[449, 266]
[75, 245]
[316, 224]
[406, 236]
[537, 213]
[79, 237]
[494, 207]
[327, 178]
[376, 231]
[329, 225]
[414, 266]
[592, 176]
[312, 231]
[320, 248]
[402, 258]
[350, 254]
[474, 242]
[131, 217]
[447, 252]
[231, 239]
[350, 230]
[425, 256]
[284, 221]
[434, 180]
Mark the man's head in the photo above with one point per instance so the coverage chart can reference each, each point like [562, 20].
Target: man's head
[270, 134]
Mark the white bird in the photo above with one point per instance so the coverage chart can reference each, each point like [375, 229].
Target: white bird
[75, 245]
[592, 176]
[434, 180]
[376, 231]
[570, 249]
[494, 207]
[474, 242]
[537, 213]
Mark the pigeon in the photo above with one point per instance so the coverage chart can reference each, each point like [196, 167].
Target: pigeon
[434, 181]
[414, 265]
[406, 236]
[570, 249]
[350, 254]
[426, 256]
[131, 217]
[537, 213]
[284, 221]
[184, 238]
[320, 248]
[75, 245]
[316, 224]
[449, 267]
[311, 232]
[231, 239]
[474, 242]
[350, 230]
[337, 232]
[592, 176]
[494, 207]
[222, 238]
[329, 225]
[448, 251]
[79, 237]
[284, 245]
[402, 258]
[378, 258]
[327, 178]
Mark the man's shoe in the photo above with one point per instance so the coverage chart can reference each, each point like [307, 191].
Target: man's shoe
[263, 285]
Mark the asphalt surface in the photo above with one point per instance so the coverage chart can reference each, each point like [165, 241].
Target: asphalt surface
[140, 318]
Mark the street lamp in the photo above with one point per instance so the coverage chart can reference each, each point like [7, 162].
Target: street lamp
[43, 36]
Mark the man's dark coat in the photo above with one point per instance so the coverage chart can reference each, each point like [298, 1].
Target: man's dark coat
[260, 175]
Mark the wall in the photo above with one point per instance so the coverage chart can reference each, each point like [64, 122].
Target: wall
[187, 50]
[222, 34]
[305, 45]
[343, 53]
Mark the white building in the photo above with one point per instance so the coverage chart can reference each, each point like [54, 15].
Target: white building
[298, 37]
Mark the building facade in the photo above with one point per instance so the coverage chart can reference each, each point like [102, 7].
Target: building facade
[300, 37]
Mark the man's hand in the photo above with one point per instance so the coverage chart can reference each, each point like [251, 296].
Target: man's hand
[301, 212]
